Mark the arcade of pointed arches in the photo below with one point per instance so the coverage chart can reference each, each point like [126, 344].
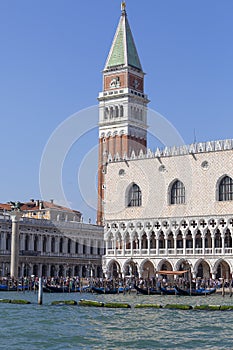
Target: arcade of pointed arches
[149, 268]
[206, 241]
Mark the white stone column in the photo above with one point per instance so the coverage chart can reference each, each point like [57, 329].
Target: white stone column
[15, 217]
[106, 244]
[72, 247]
[148, 244]
[88, 248]
[223, 241]
[213, 243]
[65, 245]
[31, 242]
[184, 244]
[157, 245]
[114, 245]
[175, 244]
[131, 246]
[56, 245]
[49, 243]
[203, 243]
[140, 245]
[166, 245]
[123, 247]
[193, 237]
[95, 247]
[40, 244]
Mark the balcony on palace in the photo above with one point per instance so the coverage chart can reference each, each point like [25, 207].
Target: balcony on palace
[169, 252]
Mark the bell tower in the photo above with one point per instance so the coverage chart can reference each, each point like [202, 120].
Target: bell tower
[122, 105]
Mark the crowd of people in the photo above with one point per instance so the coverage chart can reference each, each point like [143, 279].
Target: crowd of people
[32, 282]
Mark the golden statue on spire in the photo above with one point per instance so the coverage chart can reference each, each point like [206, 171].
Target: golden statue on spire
[123, 6]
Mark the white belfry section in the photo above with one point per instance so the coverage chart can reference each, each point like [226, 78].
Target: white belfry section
[122, 112]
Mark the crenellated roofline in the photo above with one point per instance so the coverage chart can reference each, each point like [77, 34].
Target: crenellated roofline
[194, 148]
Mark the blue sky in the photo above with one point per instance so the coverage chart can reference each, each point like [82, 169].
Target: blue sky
[52, 55]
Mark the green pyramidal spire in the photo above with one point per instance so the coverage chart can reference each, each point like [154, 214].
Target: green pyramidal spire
[123, 51]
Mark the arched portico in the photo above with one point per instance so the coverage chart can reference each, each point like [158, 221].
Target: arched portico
[223, 269]
[147, 269]
[202, 269]
[114, 269]
[130, 269]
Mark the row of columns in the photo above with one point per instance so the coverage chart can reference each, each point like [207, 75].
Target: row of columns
[75, 270]
[15, 245]
[96, 245]
[138, 242]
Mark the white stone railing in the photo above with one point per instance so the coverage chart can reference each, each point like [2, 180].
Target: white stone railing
[209, 251]
[162, 252]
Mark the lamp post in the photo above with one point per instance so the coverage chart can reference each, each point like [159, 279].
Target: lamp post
[190, 280]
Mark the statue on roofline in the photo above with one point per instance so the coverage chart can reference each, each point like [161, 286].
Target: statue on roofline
[16, 206]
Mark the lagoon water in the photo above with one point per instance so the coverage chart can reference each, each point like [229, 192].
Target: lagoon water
[49, 327]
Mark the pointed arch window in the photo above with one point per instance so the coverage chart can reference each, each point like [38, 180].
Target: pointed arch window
[226, 189]
[134, 196]
[178, 193]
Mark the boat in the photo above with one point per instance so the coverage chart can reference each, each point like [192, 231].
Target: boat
[64, 289]
[168, 291]
[105, 290]
[148, 291]
[13, 288]
[194, 292]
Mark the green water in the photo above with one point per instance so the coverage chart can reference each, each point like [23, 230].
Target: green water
[73, 327]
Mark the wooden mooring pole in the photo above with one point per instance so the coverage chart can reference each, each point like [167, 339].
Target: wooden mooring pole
[40, 293]
[223, 287]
